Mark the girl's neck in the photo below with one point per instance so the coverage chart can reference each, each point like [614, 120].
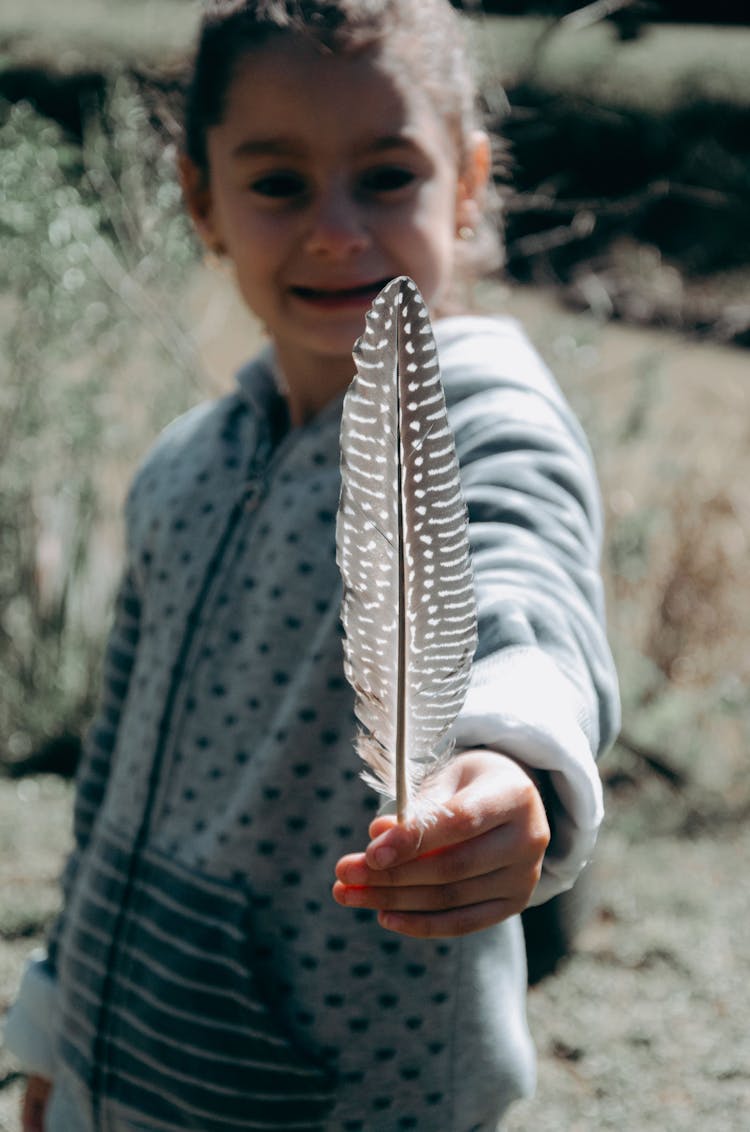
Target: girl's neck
[310, 384]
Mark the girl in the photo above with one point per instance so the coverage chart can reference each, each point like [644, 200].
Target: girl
[202, 974]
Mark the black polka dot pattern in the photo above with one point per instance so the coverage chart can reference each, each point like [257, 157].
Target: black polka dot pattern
[258, 784]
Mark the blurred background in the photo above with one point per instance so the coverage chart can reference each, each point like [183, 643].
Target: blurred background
[624, 179]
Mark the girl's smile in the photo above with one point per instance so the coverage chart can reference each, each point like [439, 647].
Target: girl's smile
[353, 296]
[329, 175]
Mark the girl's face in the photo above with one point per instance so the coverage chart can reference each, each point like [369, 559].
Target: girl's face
[330, 175]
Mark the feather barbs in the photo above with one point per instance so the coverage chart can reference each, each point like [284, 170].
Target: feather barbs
[408, 609]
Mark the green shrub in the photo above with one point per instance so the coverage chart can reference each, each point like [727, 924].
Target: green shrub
[93, 251]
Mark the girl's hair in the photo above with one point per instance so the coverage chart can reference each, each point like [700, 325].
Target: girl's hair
[428, 34]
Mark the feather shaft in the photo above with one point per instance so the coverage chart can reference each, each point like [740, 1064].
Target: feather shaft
[402, 785]
[408, 610]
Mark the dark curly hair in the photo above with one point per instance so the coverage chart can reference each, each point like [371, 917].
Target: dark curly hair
[428, 34]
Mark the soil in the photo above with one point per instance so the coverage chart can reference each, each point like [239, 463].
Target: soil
[646, 1026]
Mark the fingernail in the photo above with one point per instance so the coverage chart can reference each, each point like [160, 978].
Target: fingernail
[390, 921]
[385, 856]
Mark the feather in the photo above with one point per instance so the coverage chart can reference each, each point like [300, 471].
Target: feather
[408, 610]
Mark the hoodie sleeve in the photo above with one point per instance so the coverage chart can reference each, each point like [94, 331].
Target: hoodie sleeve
[31, 1024]
[544, 689]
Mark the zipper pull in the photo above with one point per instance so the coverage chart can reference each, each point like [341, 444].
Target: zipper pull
[252, 493]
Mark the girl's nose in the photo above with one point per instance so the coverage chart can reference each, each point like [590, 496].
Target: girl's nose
[337, 228]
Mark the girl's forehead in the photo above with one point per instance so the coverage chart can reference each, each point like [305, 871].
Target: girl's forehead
[292, 87]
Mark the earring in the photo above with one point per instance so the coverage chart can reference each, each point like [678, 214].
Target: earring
[215, 256]
[466, 232]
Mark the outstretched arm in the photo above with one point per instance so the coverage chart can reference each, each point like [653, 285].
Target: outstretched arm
[543, 700]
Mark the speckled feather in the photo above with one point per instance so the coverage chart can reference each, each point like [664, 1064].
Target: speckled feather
[408, 611]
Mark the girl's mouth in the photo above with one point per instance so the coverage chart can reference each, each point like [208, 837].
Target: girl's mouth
[330, 298]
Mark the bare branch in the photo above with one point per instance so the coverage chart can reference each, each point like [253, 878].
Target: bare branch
[593, 14]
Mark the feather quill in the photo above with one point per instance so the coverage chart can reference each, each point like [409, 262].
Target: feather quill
[408, 610]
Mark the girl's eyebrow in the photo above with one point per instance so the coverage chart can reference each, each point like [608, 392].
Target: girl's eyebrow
[288, 147]
[266, 147]
[393, 141]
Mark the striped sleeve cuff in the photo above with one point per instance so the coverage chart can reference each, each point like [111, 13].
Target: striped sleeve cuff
[29, 1031]
[519, 703]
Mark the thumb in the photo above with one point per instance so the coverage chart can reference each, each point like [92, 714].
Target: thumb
[34, 1104]
[382, 823]
[438, 788]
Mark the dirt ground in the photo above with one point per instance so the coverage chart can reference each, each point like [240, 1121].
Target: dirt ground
[645, 1027]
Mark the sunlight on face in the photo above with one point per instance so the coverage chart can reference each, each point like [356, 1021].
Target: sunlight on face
[329, 175]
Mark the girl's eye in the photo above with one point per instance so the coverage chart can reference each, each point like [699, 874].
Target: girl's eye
[387, 179]
[278, 185]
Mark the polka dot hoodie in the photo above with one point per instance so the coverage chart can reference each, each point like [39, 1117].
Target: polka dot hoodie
[200, 975]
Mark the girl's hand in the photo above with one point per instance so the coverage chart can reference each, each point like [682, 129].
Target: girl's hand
[477, 865]
[34, 1105]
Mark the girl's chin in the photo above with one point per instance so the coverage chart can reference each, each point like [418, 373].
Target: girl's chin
[331, 335]
[327, 355]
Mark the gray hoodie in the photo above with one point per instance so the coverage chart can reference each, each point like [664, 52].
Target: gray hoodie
[200, 975]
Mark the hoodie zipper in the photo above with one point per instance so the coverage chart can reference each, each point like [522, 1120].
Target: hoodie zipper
[248, 500]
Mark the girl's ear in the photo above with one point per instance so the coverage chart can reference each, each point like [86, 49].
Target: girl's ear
[472, 181]
[196, 192]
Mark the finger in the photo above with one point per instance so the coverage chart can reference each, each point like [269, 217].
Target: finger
[34, 1104]
[441, 790]
[473, 858]
[32, 1114]
[31, 1117]
[381, 824]
[510, 884]
[448, 925]
[471, 811]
